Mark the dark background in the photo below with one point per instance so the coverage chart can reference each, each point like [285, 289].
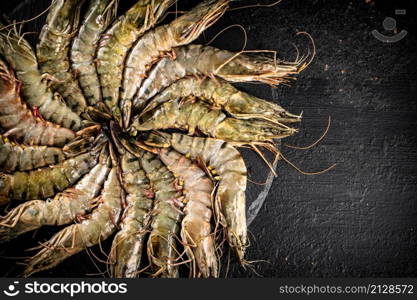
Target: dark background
[359, 219]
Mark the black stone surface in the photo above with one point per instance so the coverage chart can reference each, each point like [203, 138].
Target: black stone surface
[359, 219]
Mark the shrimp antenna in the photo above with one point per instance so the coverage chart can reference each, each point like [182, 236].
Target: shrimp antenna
[314, 143]
[307, 173]
[256, 5]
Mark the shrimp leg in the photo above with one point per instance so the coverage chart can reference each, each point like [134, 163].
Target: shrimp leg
[116, 42]
[98, 16]
[63, 209]
[128, 243]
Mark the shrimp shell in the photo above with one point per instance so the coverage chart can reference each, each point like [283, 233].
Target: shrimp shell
[20, 122]
[211, 62]
[222, 94]
[14, 157]
[196, 232]
[228, 164]
[198, 116]
[128, 243]
[45, 182]
[53, 51]
[72, 239]
[21, 58]
[162, 39]
[116, 42]
[98, 16]
[63, 209]
[161, 246]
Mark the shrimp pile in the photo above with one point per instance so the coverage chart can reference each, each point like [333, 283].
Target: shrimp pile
[117, 126]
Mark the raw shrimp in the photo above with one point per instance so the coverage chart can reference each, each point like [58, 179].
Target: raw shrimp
[20, 123]
[117, 41]
[53, 51]
[21, 58]
[66, 207]
[166, 217]
[223, 95]
[14, 157]
[126, 252]
[45, 182]
[91, 231]
[197, 116]
[229, 167]
[211, 62]
[196, 232]
[155, 43]
[98, 16]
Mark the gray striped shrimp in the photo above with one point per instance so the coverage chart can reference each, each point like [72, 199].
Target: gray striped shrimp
[20, 56]
[14, 157]
[45, 182]
[66, 207]
[127, 248]
[197, 116]
[229, 168]
[94, 229]
[53, 51]
[149, 48]
[212, 62]
[98, 16]
[117, 41]
[20, 122]
[223, 95]
[196, 232]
